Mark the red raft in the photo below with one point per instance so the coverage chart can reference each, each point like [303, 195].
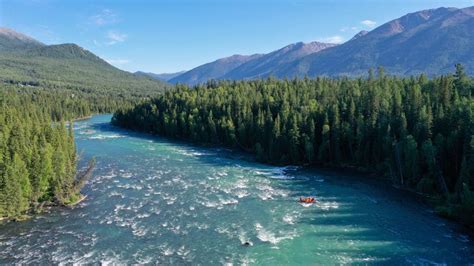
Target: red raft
[307, 200]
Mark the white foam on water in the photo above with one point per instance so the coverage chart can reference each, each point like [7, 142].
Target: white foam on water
[143, 215]
[265, 196]
[200, 226]
[243, 238]
[126, 175]
[241, 183]
[247, 261]
[289, 218]
[268, 192]
[145, 260]
[228, 201]
[168, 251]
[266, 235]
[116, 194]
[175, 229]
[278, 172]
[138, 231]
[183, 252]
[423, 261]
[241, 193]
[306, 205]
[107, 176]
[463, 238]
[105, 136]
[83, 259]
[190, 153]
[223, 230]
[86, 132]
[327, 205]
[113, 259]
[170, 199]
[211, 204]
[130, 186]
[223, 173]
[196, 153]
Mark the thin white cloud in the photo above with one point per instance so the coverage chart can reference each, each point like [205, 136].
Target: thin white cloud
[105, 17]
[117, 62]
[368, 23]
[114, 37]
[349, 29]
[333, 39]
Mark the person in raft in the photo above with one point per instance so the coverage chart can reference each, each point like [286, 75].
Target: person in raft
[307, 200]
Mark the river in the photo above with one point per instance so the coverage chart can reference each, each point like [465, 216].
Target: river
[152, 200]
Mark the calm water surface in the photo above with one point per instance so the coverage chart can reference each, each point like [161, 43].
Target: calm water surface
[152, 200]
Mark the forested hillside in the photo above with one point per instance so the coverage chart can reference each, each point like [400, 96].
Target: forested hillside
[417, 131]
[26, 61]
[37, 151]
[42, 87]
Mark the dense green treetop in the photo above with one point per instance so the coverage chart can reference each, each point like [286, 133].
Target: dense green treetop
[37, 150]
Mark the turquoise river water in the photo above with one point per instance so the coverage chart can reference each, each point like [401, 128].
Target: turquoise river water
[152, 200]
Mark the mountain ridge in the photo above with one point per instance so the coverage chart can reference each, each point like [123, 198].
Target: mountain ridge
[26, 60]
[252, 66]
[10, 40]
[419, 42]
[213, 70]
[267, 64]
[429, 41]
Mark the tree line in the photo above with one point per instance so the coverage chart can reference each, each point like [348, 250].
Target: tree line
[418, 131]
[37, 151]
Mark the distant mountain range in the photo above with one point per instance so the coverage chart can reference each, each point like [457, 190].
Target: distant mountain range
[247, 67]
[26, 60]
[162, 76]
[213, 70]
[428, 41]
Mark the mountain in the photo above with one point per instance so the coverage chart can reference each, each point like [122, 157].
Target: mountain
[11, 40]
[359, 34]
[25, 60]
[269, 63]
[248, 67]
[428, 41]
[162, 76]
[213, 70]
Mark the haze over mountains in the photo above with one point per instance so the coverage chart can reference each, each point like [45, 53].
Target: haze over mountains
[28, 61]
[428, 41]
[162, 76]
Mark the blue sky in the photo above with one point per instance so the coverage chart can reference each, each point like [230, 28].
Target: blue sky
[172, 35]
